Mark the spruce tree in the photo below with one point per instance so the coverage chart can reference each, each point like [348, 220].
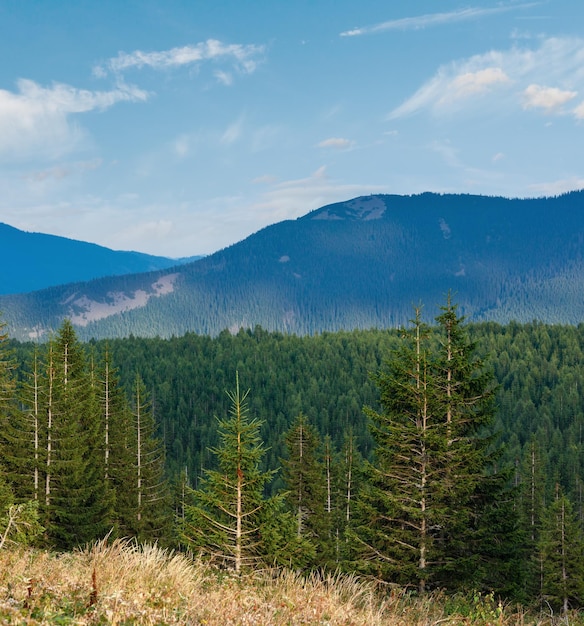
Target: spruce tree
[434, 512]
[309, 488]
[78, 504]
[151, 516]
[561, 552]
[402, 506]
[480, 544]
[229, 519]
[117, 445]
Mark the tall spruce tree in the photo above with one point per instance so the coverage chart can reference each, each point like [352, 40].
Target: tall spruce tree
[402, 506]
[229, 517]
[480, 545]
[152, 510]
[309, 488]
[561, 553]
[433, 507]
[118, 440]
[78, 503]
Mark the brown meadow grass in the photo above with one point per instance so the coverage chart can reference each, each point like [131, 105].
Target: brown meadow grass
[121, 583]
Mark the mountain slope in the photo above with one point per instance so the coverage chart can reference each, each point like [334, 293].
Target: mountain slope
[354, 264]
[34, 261]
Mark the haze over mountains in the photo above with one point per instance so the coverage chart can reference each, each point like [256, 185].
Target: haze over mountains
[356, 264]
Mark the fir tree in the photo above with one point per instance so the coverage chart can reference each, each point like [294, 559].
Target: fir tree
[480, 542]
[78, 505]
[561, 552]
[229, 519]
[434, 512]
[309, 488]
[402, 507]
[151, 516]
[117, 443]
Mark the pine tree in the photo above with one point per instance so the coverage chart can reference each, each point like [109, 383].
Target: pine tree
[480, 544]
[434, 512]
[151, 516]
[17, 432]
[228, 516]
[77, 503]
[349, 465]
[309, 488]
[117, 443]
[402, 505]
[561, 552]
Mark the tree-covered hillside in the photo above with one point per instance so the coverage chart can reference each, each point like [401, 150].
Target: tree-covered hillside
[353, 265]
[492, 415]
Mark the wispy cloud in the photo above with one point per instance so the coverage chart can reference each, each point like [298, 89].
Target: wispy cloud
[244, 57]
[292, 198]
[338, 143]
[233, 132]
[434, 19]
[511, 78]
[557, 187]
[37, 120]
[547, 98]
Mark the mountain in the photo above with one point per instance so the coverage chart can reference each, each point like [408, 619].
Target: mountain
[33, 261]
[356, 264]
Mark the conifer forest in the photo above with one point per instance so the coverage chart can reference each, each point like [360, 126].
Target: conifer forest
[441, 456]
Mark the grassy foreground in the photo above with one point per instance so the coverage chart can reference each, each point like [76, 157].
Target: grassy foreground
[122, 583]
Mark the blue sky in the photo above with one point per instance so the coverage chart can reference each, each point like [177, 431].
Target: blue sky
[178, 127]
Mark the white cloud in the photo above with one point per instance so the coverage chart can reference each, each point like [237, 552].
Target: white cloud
[224, 77]
[36, 120]
[265, 179]
[335, 142]
[548, 98]
[244, 57]
[503, 79]
[134, 234]
[498, 157]
[558, 187]
[471, 83]
[579, 111]
[434, 19]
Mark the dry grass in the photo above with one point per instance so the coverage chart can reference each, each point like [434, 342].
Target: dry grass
[122, 583]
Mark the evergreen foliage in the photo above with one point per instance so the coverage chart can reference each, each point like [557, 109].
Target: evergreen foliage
[229, 509]
[480, 533]
[307, 478]
[430, 487]
[561, 554]
[148, 517]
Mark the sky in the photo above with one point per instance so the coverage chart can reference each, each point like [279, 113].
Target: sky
[180, 127]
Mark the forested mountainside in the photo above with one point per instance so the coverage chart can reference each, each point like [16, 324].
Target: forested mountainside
[316, 388]
[350, 265]
[539, 369]
[34, 261]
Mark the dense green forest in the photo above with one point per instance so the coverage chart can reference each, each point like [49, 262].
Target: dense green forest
[319, 421]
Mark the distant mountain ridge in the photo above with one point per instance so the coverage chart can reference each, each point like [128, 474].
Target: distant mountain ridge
[34, 261]
[357, 264]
